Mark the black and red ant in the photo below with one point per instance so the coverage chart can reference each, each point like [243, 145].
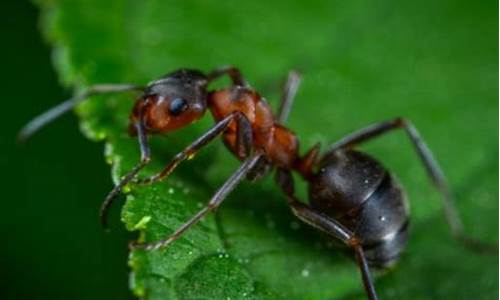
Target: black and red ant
[353, 198]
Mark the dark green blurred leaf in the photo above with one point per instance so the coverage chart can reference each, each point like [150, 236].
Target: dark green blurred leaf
[433, 62]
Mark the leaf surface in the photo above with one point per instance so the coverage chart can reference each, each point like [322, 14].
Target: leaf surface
[362, 61]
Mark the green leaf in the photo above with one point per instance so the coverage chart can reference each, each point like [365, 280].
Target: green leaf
[363, 61]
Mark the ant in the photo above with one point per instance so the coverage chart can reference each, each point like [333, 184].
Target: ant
[353, 198]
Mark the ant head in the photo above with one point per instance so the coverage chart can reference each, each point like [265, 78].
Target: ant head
[173, 101]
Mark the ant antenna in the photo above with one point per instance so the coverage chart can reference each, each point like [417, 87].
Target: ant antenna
[45, 118]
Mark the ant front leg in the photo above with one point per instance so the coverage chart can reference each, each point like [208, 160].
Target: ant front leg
[216, 200]
[202, 141]
[45, 118]
[433, 169]
[145, 158]
[328, 225]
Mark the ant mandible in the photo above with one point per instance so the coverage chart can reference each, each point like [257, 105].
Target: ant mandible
[353, 198]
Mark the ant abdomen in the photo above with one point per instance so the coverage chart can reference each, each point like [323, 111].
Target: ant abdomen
[356, 190]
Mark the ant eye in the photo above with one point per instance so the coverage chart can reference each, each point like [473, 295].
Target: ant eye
[177, 106]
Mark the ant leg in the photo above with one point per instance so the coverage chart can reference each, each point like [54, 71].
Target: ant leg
[232, 72]
[433, 169]
[288, 95]
[145, 158]
[237, 79]
[192, 149]
[261, 168]
[328, 225]
[333, 228]
[40, 121]
[216, 200]
[244, 137]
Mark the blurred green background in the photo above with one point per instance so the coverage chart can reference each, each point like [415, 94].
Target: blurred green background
[434, 61]
[54, 182]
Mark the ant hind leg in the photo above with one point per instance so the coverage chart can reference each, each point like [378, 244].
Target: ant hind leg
[328, 225]
[433, 170]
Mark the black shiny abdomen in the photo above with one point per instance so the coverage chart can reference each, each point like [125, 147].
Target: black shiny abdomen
[356, 190]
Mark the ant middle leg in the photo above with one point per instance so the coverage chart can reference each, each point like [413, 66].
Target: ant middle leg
[433, 170]
[328, 225]
[288, 95]
[191, 150]
[55, 112]
[216, 200]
